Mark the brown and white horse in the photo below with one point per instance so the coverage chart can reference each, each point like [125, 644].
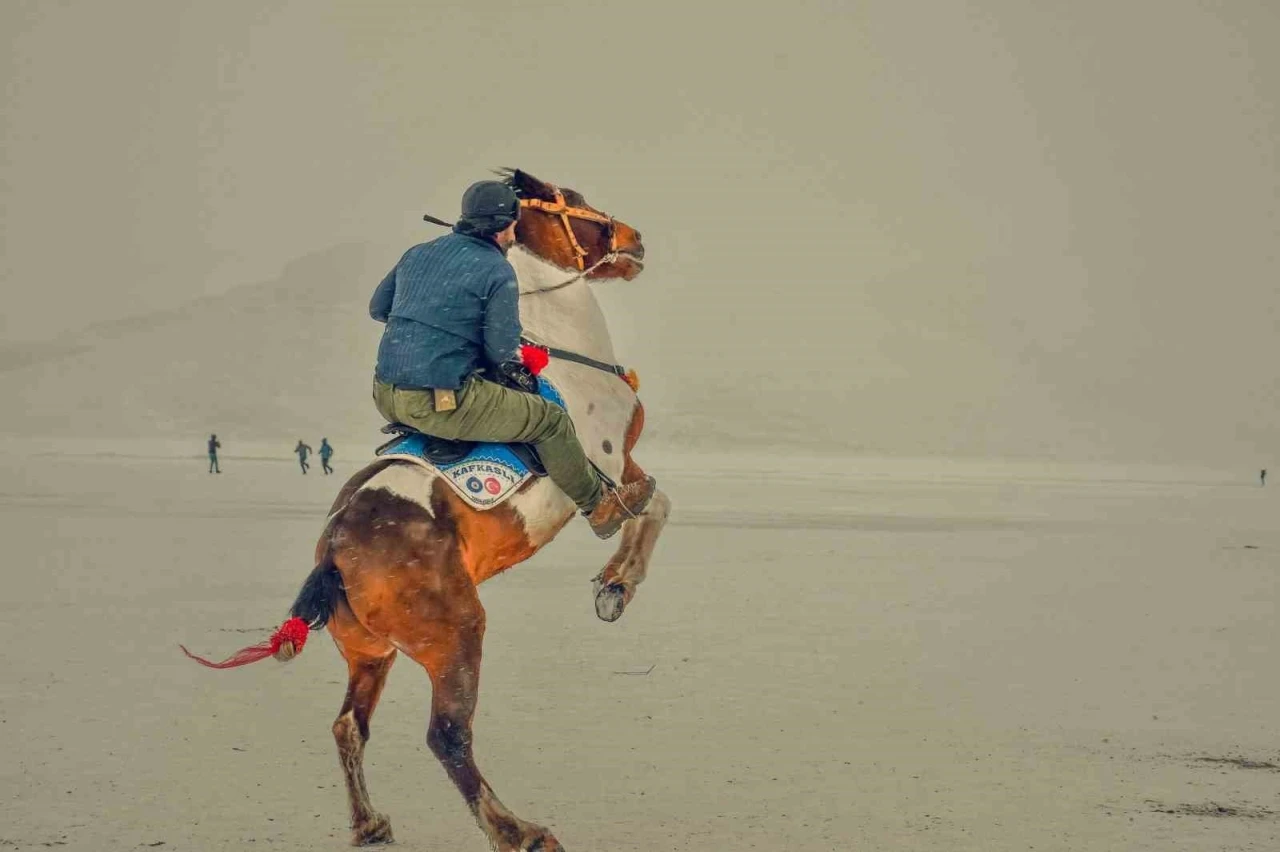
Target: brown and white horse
[401, 554]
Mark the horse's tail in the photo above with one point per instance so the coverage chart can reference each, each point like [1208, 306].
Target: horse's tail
[320, 594]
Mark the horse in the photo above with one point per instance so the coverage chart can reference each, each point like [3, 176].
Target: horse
[402, 553]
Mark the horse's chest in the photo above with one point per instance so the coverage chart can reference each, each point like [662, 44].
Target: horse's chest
[601, 406]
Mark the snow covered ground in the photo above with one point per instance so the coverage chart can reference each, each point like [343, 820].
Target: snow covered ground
[851, 653]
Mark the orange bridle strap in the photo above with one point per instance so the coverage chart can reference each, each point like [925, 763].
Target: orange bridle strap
[562, 210]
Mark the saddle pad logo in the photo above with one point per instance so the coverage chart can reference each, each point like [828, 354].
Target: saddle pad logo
[486, 482]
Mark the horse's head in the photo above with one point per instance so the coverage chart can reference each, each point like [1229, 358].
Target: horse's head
[559, 226]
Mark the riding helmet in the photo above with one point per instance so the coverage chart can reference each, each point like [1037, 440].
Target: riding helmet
[488, 207]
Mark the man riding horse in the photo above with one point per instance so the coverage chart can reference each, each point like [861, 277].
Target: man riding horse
[452, 315]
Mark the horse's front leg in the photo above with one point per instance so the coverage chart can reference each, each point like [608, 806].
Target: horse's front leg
[615, 585]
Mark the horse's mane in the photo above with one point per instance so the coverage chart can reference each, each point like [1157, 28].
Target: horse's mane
[508, 176]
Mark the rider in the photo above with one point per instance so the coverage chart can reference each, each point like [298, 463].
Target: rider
[451, 308]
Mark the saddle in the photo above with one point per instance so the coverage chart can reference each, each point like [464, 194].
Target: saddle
[442, 451]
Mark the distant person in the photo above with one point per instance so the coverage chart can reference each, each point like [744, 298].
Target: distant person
[1263, 477]
[214, 444]
[303, 450]
[326, 453]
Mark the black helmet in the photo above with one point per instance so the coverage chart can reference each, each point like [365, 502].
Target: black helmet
[488, 207]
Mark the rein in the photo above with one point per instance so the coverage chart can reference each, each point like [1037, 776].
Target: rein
[566, 355]
[608, 258]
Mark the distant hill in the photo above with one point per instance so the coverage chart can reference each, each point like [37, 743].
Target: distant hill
[263, 362]
[288, 356]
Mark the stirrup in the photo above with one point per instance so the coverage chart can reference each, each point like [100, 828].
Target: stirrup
[621, 505]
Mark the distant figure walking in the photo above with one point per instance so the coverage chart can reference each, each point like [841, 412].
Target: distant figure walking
[303, 450]
[1263, 477]
[214, 444]
[326, 453]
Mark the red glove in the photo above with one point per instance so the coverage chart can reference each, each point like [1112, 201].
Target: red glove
[533, 357]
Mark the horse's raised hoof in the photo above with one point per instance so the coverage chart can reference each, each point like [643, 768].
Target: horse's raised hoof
[372, 832]
[611, 598]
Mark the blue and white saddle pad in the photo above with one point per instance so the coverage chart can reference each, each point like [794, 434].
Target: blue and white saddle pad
[484, 477]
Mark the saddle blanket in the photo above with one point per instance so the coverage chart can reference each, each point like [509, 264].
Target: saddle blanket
[487, 475]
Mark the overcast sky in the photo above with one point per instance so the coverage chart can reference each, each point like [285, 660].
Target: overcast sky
[1000, 206]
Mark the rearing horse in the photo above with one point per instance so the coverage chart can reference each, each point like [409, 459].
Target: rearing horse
[401, 555]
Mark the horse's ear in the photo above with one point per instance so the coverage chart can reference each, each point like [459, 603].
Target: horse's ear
[528, 186]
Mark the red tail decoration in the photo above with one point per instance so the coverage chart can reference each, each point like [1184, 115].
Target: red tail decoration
[534, 357]
[294, 631]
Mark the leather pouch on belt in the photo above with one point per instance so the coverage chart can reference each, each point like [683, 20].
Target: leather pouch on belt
[445, 399]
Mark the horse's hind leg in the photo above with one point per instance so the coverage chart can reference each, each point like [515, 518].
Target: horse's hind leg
[449, 649]
[369, 660]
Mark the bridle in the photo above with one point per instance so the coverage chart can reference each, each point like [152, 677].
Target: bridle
[564, 211]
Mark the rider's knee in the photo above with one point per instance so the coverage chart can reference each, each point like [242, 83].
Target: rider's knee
[555, 423]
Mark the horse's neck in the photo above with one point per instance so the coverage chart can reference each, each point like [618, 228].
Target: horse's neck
[565, 318]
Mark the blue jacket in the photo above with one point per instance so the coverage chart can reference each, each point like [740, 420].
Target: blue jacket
[451, 307]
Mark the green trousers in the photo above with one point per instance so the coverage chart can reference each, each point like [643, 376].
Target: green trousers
[490, 412]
